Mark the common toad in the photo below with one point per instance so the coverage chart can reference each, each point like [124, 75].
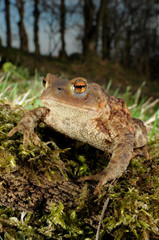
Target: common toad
[85, 112]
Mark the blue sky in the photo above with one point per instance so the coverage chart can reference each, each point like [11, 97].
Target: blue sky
[46, 46]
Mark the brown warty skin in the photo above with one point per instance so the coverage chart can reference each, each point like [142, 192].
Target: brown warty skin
[85, 112]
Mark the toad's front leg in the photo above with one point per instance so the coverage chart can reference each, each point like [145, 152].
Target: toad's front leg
[122, 154]
[29, 121]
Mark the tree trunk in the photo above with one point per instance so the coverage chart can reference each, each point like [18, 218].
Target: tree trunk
[128, 45]
[105, 33]
[116, 34]
[99, 18]
[92, 28]
[7, 15]
[36, 14]
[22, 31]
[62, 29]
[89, 28]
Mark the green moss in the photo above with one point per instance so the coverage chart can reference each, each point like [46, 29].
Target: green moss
[56, 225]
[133, 215]
[133, 209]
[46, 159]
[14, 154]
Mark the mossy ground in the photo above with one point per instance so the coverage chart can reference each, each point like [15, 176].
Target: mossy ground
[133, 210]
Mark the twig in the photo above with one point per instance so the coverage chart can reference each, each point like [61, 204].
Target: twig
[101, 217]
[103, 211]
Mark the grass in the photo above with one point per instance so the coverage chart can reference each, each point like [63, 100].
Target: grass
[20, 90]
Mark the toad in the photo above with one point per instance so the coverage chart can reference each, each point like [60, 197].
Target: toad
[86, 112]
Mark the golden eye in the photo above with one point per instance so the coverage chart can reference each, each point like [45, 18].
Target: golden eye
[80, 87]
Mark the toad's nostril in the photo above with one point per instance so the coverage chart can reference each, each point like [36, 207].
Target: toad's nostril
[59, 88]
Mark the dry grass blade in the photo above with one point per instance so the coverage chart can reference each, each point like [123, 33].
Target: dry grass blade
[2, 78]
[151, 105]
[148, 101]
[6, 89]
[132, 106]
[34, 97]
[138, 95]
[20, 100]
[151, 119]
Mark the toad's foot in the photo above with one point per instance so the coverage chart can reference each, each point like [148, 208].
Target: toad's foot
[122, 154]
[27, 134]
[27, 125]
[103, 177]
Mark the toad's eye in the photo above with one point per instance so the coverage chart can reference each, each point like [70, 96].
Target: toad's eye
[80, 87]
[44, 82]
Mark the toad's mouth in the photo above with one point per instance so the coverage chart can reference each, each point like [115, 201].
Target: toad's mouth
[52, 102]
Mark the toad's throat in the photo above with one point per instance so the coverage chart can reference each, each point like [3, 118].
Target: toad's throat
[51, 103]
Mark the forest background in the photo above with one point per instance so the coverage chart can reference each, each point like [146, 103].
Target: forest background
[114, 43]
[124, 32]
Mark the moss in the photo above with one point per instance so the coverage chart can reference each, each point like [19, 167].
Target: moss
[44, 159]
[14, 153]
[134, 199]
[133, 215]
[56, 225]
[134, 208]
